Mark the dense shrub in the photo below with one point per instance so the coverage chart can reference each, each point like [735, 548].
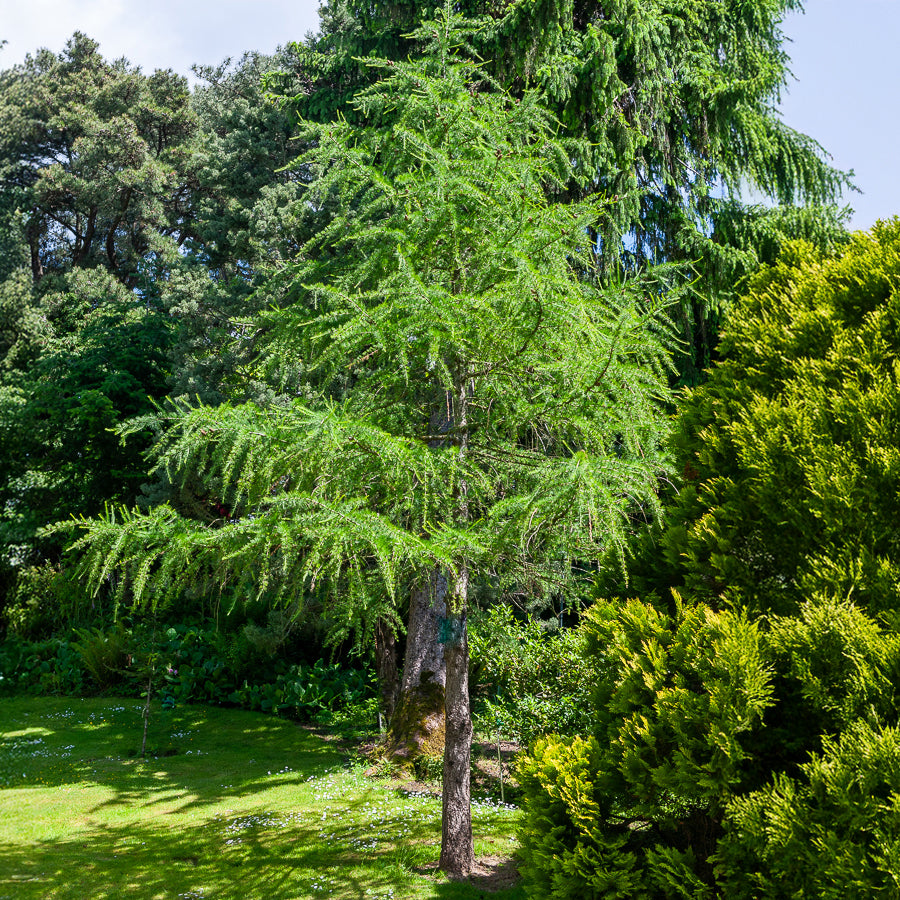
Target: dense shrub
[307, 692]
[104, 654]
[528, 679]
[183, 664]
[830, 833]
[43, 667]
[746, 740]
[636, 808]
[41, 600]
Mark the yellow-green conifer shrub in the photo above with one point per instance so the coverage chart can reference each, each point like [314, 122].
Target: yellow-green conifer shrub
[747, 744]
[636, 809]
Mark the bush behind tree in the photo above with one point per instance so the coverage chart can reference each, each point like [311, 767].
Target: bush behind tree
[529, 678]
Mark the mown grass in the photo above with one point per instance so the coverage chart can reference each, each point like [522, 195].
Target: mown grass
[232, 805]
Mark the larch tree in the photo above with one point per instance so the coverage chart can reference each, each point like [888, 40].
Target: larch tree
[465, 395]
[675, 105]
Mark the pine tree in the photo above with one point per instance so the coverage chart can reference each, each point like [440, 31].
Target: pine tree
[93, 173]
[92, 153]
[466, 396]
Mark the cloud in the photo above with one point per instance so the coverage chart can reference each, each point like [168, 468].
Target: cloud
[165, 34]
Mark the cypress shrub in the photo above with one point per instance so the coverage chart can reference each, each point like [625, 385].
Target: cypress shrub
[746, 742]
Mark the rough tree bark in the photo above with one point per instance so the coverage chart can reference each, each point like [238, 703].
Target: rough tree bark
[388, 672]
[417, 724]
[457, 844]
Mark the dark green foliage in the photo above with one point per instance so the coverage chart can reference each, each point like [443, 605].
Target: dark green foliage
[34, 607]
[88, 355]
[104, 654]
[244, 225]
[307, 693]
[92, 155]
[186, 664]
[528, 678]
[764, 765]
[94, 162]
[53, 666]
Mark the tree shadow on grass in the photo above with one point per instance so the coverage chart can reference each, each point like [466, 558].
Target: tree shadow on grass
[153, 860]
[247, 807]
[196, 755]
[259, 854]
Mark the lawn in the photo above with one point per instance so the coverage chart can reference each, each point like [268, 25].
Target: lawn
[231, 804]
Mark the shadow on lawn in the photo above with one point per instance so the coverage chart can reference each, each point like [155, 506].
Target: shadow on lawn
[196, 755]
[244, 808]
[155, 861]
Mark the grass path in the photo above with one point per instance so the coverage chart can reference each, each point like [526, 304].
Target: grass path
[235, 805]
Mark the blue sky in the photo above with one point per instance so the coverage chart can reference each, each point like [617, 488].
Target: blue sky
[845, 55]
[846, 58]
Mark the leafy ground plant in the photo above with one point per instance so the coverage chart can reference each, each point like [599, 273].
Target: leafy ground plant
[227, 804]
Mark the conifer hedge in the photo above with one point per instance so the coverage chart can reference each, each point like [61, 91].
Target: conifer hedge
[747, 742]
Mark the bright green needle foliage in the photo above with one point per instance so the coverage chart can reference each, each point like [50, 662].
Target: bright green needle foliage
[469, 396]
[674, 99]
[476, 402]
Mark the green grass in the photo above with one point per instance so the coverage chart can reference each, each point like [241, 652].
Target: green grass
[233, 804]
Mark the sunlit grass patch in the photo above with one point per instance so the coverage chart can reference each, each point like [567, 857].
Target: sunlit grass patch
[231, 804]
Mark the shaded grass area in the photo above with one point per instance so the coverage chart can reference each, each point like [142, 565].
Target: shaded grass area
[232, 805]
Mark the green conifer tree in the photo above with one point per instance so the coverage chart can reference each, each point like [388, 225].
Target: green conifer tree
[465, 394]
[94, 163]
[676, 103]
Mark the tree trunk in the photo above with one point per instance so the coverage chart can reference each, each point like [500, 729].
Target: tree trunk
[417, 725]
[386, 663]
[457, 845]
[34, 243]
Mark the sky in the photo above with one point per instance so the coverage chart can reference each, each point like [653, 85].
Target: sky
[845, 57]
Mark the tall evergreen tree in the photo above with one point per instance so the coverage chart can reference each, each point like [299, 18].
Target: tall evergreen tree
[92, 153]
[94, 200]
[676, 101]
[466, 395]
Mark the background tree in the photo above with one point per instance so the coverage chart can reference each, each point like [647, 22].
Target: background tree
[747, 736]
[244, 226]
[467, 397]
[143, 216]
[94, 180]
[91, 154]
[677, 106]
